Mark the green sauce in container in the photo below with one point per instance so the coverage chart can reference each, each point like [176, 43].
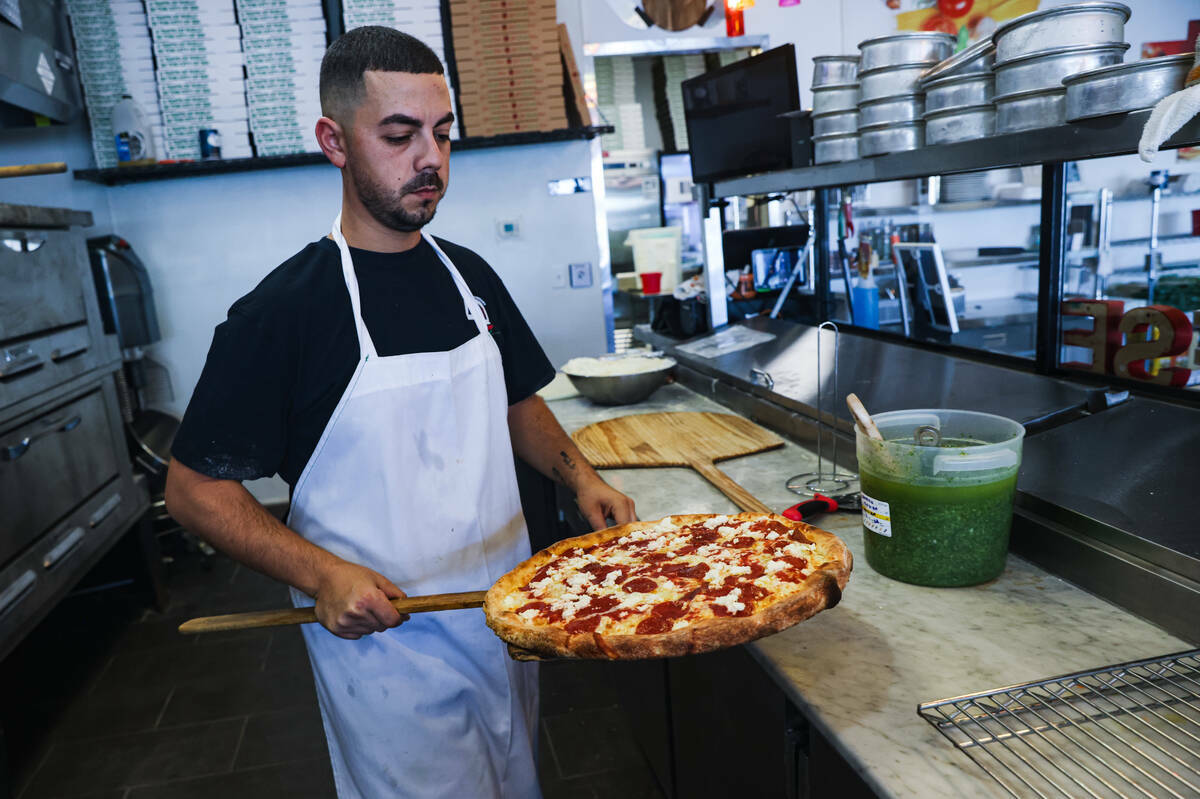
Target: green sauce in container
[939, 514]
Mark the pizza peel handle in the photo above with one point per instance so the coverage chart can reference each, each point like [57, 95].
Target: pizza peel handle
[694, 439]
[279, 618]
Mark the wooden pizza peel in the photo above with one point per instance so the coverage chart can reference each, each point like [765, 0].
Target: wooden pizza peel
[690, 439]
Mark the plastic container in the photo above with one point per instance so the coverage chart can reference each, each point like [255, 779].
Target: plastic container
[939, 514]
[131, 133]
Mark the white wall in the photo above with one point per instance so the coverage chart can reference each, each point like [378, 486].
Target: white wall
[208, 240]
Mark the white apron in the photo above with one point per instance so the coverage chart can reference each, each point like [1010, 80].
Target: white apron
[413, 477]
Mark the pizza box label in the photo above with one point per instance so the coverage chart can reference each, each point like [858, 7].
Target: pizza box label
[877, 516]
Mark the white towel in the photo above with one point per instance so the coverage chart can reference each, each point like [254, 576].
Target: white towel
[1171, 113]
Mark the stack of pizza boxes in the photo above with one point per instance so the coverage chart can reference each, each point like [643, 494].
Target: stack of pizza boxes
[509, 70]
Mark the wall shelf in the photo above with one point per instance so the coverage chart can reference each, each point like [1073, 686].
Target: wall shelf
[1091, 138]
[186, 169]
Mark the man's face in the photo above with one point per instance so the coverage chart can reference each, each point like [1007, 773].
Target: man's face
[398, 147]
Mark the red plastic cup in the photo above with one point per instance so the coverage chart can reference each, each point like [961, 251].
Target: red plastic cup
[651, 282]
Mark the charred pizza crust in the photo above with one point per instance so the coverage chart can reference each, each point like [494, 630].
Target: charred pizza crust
[821, 589]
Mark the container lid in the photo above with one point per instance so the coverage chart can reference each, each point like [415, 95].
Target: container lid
[833, 136]
[1025, 95]
[956, 63]
[913, 97]
[1051, 53]
[959, 110]
[916, 123]
[1073, 8]
[970, 442]
[952, 80]
[1183, 62]
[921, 65]
[908, 37]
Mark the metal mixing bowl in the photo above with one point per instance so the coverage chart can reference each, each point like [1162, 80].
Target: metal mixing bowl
[622, 389]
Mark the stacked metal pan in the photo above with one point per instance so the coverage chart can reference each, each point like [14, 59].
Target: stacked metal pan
[1036, 52]
[891, 104]
[958, 96]
[835, 108]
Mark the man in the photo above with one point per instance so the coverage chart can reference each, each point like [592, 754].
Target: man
[388, 377]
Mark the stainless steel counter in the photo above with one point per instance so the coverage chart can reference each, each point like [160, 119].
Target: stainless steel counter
[885, 376]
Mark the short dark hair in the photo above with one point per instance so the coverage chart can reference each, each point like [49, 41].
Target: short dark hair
[372, 47]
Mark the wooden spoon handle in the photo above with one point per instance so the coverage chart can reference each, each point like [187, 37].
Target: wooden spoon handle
[862, 417]
[740, 496]
[279, 618]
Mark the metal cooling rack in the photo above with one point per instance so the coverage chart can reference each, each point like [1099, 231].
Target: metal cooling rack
[1130, 730]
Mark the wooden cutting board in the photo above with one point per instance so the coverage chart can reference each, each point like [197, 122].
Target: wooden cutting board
[694, 439]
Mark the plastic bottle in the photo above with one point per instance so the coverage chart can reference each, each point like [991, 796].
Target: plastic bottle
[865, 295]
[131, 133]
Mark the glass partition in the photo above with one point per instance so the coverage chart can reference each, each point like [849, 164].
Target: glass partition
[1131, 276]
[950, 259]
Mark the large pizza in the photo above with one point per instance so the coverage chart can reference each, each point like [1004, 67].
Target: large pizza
[676, 586]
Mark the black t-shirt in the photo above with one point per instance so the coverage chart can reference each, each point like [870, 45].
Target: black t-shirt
[281, 360]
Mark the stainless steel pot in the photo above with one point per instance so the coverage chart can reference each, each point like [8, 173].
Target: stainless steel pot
[979, 57]
[1046, 70]
[829, 149]
[881, 139]
[1044, 108]
[891, 110]
[876, 84]
[834, 70]
[960, 124]
[835, 124]
[959, 91]
[828, 99]
[904, 48]
[1097, 22]
[1125, 87]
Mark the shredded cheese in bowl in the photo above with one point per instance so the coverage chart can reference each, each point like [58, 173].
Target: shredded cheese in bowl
[614, 367]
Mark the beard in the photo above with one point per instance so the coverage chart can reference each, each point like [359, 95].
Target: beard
[386, 205]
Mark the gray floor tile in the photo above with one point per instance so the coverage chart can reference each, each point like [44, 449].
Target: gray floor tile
[223, 695]
[79, 767]
[272, 738]
[303, 779]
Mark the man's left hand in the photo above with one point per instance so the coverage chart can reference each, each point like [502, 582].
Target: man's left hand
[598, 501]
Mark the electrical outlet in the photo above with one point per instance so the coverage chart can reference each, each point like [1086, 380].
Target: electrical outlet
[581, 276]
[558, 278]
[508, 228]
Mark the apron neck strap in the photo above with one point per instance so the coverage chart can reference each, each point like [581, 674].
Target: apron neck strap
[472, 306]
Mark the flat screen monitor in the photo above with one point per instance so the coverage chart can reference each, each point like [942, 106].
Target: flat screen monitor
[732, 116]
[772, 253]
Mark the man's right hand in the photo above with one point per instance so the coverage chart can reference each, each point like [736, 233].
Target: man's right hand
[352, 601]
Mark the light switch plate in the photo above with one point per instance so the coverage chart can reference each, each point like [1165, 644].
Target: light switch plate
[581, 276]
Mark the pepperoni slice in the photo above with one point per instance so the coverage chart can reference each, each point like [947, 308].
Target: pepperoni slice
[540, 606]
[600, 604]
[752, 592]
[767, 526]
[704, 536]
[799, 537]
[539, 575]
[741, 542]
[654, 624]
[669, 610]
[721, 610]
[583, 624]
[687, 550]
[695, 571]
[799, 563]
[656, 557]
[640, 585]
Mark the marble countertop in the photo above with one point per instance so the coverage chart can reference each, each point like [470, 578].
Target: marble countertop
[859, 671]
